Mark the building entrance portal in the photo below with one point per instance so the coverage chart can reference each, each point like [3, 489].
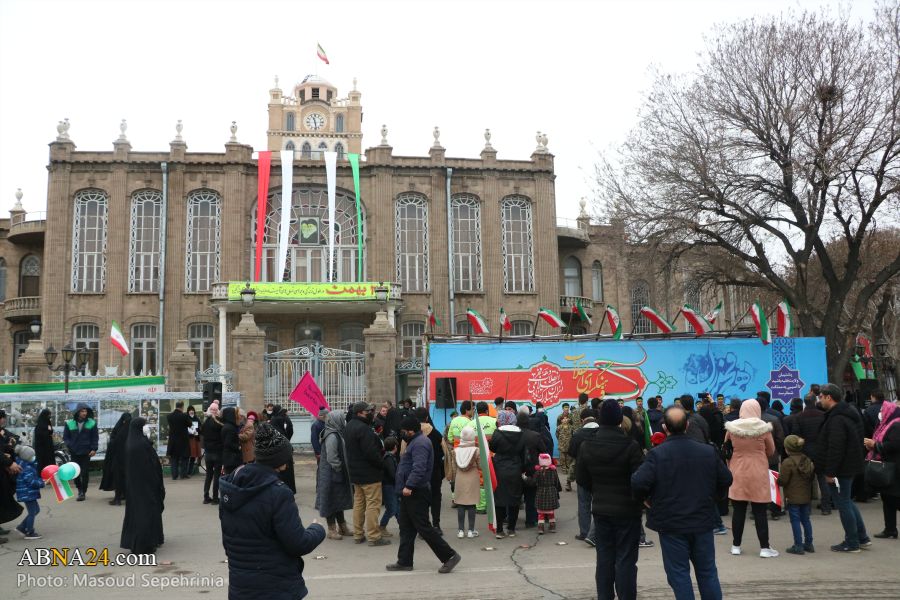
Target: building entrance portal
[340, 374]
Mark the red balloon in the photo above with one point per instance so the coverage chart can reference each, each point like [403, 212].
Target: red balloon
[48, 472]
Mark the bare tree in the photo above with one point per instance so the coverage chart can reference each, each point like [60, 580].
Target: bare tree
[783, 151]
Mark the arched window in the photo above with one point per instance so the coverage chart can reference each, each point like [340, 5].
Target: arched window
[572, 276]
[146, 208]
[597, 281]
[339, 148]
[143, 349]
[289, 122]
[2, 279]
[521, 328]
[87, 335]
[517, 244]
[640, 297]
[412, 242]
[466, 212]
[412, 335]
[305, 150]
[30, 276]
[289, 146]
[352, 337]
[307, 334]
[339, 123]
[201, 267]
[89, 242]
[463, 327]
[691, 297]
[323, 147]
[200, 337]
[307, 258]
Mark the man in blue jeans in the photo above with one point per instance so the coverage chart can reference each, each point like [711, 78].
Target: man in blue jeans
[587, 430]
[681, 482]
[839, 455]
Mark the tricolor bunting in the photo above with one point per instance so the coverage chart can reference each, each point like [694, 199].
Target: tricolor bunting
[697, 321]
[657, 319]
[758, 314]
[550, 317]
[479, 325]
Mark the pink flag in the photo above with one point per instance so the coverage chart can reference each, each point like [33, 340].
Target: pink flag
[308, 395]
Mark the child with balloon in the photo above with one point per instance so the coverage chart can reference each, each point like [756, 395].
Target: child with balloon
[28, 490]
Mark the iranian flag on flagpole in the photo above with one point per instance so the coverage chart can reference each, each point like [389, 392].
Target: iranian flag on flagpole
[320, 52]
[785, 321]
[697, 321]
[551, 317]
[581, 313]
[762, 324]
[505, 323]
[117, 339]
[615, 323]
[479, 325]
[658, 320]
[432, 318]
[714, 313]
[488, 476]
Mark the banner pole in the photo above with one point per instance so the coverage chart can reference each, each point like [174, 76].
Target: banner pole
[737, 322]
[602, 321]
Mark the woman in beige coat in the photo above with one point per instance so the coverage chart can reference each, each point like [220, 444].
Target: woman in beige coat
[751, 438]
[468, 481]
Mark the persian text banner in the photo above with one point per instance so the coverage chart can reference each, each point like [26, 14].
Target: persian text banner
[298, 292]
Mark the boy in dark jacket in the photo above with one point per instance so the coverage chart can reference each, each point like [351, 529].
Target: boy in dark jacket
[388, 492]
[796, 477]
[28, 490]
[263, 536]
[81, 437]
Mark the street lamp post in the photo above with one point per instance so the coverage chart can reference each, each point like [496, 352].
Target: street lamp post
[35, 327]
[72, 360]
[885, 366]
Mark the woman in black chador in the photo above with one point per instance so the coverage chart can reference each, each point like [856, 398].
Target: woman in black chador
[142, 529]
[43, 440]
[114, 461]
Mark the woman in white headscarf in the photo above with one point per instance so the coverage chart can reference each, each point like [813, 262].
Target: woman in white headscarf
[468, 481]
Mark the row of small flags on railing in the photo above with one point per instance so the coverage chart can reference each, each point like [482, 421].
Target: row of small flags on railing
[700, 323]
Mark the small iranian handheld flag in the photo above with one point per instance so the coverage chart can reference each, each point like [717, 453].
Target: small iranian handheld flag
[658, 320]
[432, 318]
[505, 323]
[762, 325]
[551, 317]
[117, 339]
[320, 52]
[775, 489]
[582, 314]
[714, 313]
[479, 325]
[615, 323]
[697, 321]
[61, 488]
[785, 319]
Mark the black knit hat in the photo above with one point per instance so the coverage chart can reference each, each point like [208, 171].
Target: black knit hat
[272, 448]
[610, 413]
[410, 423]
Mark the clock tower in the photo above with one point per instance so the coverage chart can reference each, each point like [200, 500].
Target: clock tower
[313, 119]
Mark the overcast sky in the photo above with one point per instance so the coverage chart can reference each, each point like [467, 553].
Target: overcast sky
[574, 70]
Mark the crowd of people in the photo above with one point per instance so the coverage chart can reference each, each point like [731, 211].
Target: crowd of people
[682, 469]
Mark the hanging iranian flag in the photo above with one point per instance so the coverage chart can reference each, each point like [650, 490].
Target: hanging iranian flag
[488, 476]
[320, 52]
[714, 313]
[432, 318]
[479, 325]
[762, 325]
[615, 323]
[551, 317]
[657, 319]
[117, 339]
[581, 313]
[505, 323]
[697, 321]
[785, 321]
[775, 489]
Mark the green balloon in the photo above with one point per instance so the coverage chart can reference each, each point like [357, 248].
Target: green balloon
[67, 472]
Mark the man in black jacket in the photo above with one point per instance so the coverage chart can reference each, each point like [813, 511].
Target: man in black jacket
[587, 430]
[807, 426]
[607, 461]
[870, 415]
[699, 428]
[365, 465]
[655, 414]
[839, 456]
[177, 448]
[681, 481]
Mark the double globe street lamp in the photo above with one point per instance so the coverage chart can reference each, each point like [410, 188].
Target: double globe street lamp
[73, 360]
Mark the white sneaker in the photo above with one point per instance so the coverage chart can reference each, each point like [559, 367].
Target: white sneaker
[472, 534]
[768, 553]
[735, 550]
[461, 534]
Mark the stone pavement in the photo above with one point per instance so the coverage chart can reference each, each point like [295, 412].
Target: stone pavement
[526, 567]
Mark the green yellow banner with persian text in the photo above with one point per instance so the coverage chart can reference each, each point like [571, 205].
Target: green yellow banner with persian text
[308, 292]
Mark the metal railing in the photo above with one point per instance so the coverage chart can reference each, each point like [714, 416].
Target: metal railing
[20, 218]
[567, 303]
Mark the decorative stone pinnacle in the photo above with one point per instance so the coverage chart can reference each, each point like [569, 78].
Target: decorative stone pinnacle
[178, 128]
[537, 138]
[233, 139]
[276, 81]
[487, 140]
[123, 127]
[437, 137]
[18, 206]
[384, 132]
[62, 130]
[354, 84]
[583, 203]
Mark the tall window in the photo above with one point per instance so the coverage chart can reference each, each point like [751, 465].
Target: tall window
[597, 281]
[30, 276]
[89, 242]
[522, 328]
[412, 242]
[20, 344]
[146, 206]
[307, 334]
[572, 276]
[289, 125]
[203, 241]
[352, 337]
[143, 349]
[466, 212]
[339, 148]
[200, 337]
[339, 123]
[323, 147]
[2, 279]
[289, 146]
[518, 261]
[640, 297]
[463, 327]
[305, 150]
[412, 334]
[87, 335]
[692, 297]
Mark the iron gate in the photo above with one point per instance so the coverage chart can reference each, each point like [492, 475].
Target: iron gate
[340, 374]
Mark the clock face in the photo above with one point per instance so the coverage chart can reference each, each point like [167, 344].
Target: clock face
[315, 121]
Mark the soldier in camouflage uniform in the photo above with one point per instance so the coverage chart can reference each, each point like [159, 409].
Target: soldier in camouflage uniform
[564, 432]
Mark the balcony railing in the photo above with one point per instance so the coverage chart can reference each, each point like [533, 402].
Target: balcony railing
[26, 224]
[15, 309]
[567, 303]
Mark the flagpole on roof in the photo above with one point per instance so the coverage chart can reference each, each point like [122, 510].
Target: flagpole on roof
[737, 322]
[602, 320]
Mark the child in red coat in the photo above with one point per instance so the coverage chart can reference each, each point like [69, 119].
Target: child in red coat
[546, 499]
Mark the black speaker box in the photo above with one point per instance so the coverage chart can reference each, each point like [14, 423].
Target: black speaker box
[445, 392]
